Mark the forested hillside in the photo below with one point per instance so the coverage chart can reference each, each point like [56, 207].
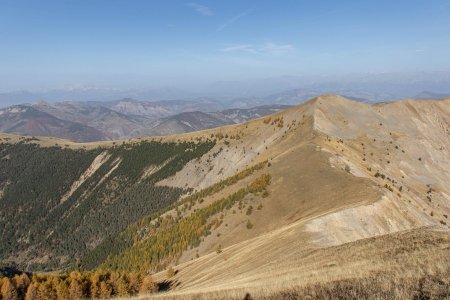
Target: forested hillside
[158, 240]
[58, 204]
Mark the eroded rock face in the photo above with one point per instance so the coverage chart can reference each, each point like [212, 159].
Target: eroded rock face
[398, 148]
[350, 179]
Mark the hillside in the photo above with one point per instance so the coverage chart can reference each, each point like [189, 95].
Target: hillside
[114, 125]
[162, 108]
[27, 120]
[310, 198]
[197, 120]
[75, 195]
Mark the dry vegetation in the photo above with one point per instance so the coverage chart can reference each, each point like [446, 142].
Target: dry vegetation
[376, 286]
[405, 265]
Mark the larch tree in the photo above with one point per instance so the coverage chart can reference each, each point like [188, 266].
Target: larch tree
[135, 282]
[122, 287]
[22, 282]
[9, 291]
[31, 292]
[62, 290]
[105, 290]
[148, 285]
[95, 284]
[75, 289]
[46, 291]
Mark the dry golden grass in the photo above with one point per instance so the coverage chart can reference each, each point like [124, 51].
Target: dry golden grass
[405, 265]
[375, 286]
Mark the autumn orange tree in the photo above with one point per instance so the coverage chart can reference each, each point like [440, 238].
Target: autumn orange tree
[76, 285]
[8, 290]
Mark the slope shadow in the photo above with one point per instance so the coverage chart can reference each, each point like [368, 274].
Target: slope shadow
[166, 285]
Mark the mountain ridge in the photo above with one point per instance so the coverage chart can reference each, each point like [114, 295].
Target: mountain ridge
[332, 174]
[398, 187]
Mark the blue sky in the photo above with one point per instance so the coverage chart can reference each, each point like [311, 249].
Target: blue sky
[49, 44]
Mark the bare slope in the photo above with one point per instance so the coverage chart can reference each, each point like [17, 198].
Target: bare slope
[349, 139]
[341, 171]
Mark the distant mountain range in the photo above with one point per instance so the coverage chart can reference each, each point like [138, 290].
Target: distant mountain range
[130, 118]
[432, 95]
[375, 87]
[127, 118]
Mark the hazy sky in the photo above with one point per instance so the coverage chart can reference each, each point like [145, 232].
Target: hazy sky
[130, 43]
